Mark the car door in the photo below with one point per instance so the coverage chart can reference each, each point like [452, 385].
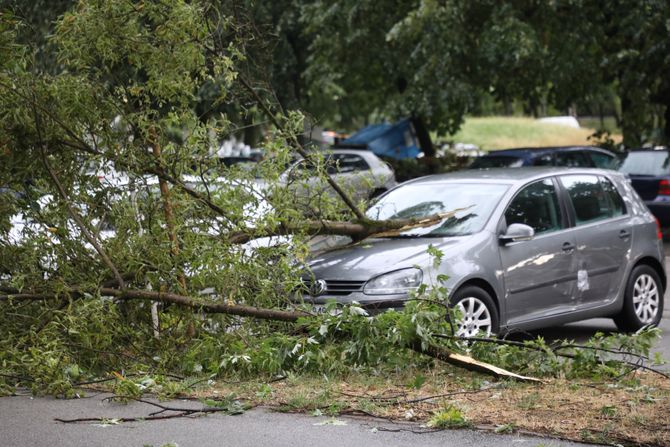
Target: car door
[604, 234]
[539, 274]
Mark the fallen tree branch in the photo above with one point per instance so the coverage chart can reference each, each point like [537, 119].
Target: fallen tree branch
[440, 396]
[356, 230]
[467, 362]
[230, 309]
[434, 351]
[555, 350]
[157, 415]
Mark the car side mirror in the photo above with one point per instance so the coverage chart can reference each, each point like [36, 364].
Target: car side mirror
[517, 232]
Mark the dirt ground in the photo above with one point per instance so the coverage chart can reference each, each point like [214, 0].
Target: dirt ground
[631, 411]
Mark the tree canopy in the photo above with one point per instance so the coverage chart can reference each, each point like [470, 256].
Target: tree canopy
[435, 59]
[348, 62]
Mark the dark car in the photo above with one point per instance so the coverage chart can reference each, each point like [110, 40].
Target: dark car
[649, 173]
[568, 156]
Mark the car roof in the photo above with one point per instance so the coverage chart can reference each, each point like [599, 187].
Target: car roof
[508, 175]
[362, 152]
[650, 149]
[534, 151]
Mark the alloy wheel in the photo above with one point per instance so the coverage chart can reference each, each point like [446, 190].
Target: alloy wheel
[475, 318]
[646, 298]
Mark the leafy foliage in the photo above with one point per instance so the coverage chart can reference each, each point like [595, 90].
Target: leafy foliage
[602, 357]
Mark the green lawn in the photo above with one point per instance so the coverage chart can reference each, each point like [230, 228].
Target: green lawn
[492, 133]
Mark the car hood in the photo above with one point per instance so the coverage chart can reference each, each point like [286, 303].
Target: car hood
[371, 257]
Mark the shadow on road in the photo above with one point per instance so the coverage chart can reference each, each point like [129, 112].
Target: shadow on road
[579, 331]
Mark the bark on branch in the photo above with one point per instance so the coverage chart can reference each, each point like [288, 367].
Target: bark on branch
[167, 209]
[356, 230]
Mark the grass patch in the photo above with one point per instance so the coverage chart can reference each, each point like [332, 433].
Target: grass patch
[492, 133]
[627, 412]
[448, 417]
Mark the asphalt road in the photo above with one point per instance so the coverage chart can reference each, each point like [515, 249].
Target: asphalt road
[29, 422]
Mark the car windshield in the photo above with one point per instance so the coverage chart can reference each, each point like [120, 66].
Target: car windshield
[465, 206]
[647, 163]
[496, 161]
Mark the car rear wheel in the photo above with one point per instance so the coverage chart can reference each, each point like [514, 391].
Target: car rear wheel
[478, 312]
[643, 300]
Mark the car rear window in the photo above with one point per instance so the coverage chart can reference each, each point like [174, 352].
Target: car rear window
[497, 161]
[344, 163]
[650, 163]
[603, 161]
[573, 159]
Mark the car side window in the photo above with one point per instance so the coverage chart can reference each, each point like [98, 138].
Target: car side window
[349, 163]
[572, 159]
[616, 201]
[603, 161]
[544, 160]
[536, 205]
[588, 198]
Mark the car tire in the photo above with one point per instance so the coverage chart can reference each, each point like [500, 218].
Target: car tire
[478, 311]
[643, 300]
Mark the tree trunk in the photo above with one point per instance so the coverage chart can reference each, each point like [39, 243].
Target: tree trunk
[252, 134]
[423, 136]
[631, 136]
[666, 123]
[507, 105]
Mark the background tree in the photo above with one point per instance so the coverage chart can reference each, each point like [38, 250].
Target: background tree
[435, 59]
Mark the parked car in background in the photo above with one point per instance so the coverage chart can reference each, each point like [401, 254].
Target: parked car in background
[360, 172]
[522, 249]
[649, 173]
[568, 156]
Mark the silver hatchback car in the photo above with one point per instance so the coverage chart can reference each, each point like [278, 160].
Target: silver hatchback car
[522, 249]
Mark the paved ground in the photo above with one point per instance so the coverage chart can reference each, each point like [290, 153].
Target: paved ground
[28, 422]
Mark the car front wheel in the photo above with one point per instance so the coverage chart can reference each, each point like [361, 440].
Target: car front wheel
[643, 300]
[478, 312]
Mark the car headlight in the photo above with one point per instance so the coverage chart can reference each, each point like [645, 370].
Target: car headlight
[400, 281]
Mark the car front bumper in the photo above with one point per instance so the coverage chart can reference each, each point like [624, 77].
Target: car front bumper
[373, 304]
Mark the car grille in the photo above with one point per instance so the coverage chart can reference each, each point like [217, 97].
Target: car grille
[337, 287]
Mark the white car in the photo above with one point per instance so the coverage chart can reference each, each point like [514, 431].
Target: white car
[359, 172]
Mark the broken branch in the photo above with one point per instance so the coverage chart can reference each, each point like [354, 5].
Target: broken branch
[434, 351]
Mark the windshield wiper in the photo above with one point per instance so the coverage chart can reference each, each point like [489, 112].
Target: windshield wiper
[414, 236]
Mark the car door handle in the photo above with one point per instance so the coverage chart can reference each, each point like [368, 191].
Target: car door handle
[623, 234]
[568, 246]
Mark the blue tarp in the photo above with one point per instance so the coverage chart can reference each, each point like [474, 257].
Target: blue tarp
[387, 140]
